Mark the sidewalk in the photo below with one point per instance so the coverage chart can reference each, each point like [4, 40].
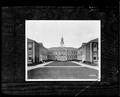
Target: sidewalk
[37, 66]
[85, 65]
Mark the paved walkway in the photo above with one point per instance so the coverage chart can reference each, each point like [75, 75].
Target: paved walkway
[85, 65]
[37, 66]
[62, 64]
[46, 63]
[60, 73]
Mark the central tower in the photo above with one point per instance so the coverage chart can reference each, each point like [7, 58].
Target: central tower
[62, 42]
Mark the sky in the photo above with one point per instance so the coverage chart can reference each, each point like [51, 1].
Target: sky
[74, 32]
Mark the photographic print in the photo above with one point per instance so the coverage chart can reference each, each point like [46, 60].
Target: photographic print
[62, 50]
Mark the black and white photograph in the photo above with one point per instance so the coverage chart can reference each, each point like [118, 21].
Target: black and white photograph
[62, 50]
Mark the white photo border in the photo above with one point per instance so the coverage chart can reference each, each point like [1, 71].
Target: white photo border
[99, 53]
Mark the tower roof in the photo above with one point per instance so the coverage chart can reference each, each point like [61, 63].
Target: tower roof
[62, 42]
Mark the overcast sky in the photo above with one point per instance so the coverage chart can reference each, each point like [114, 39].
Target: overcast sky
[74, 32]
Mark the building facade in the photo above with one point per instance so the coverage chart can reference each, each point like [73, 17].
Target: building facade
[71, 53]
[62, 53]
[32, 51]
[43, 53]
[81, 52]
[58, 53]
[36, 52]
[88, 52]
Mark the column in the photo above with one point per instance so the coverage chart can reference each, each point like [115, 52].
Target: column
[33, 52]
[91, 52]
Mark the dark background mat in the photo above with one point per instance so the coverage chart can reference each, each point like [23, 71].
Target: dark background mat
[13, 50]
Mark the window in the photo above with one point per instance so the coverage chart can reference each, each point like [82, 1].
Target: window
[95, 45]
[55, 53]
[30, 58]
[94, 49]
[94, 58]
[30, 53]
[30, 45]
[30, 48]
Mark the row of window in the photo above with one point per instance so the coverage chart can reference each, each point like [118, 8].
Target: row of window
[64, 53]
[72, 57]
[73, 52]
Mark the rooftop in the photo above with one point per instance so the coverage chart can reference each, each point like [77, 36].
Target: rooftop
[94, 40]
[57, 48]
